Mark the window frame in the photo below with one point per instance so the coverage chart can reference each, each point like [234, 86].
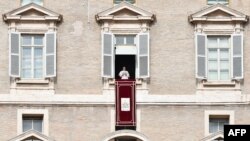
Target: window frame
[209, 113]
[218, 51]
[32, 118]
[31, 1]
[216, 2]
[32, 46]
[33, 112]
[123, 1]
[218, 118]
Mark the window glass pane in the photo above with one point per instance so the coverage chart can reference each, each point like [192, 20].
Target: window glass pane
[212, 42]
[27, 125]
[120, 40]
[38, 40]
[224, 65]
[213, 75]
[130, 40]
[130, 1]
[224, 42]
[212, 54]
[212, 65]
[26, 62]
[119, 1]
[224, 75]
[213, 127]
[25, 2]
[38, 63]
[39, 2]
[26, 40]
[224, 54]
[37, 125]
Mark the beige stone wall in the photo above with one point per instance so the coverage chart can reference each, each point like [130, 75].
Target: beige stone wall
[183, 123]
[79, 45]
[93, 123]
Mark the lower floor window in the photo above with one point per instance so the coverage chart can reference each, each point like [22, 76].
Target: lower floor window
[32, 123]
[217, 123]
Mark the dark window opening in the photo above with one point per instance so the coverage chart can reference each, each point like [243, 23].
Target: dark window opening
[125, 60]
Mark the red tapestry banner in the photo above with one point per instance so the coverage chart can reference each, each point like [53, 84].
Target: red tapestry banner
[125, 103]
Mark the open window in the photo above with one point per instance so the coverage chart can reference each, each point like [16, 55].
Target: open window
[125, 42]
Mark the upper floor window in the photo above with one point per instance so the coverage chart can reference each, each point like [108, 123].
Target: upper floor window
[32, 56]
[119, 1]
[219, 58]
[217, 123]
[25, 2]
[217, 1]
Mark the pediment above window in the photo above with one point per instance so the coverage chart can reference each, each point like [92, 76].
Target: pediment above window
[215, 136]
[125, 12]
[32, 12]
[218, 13]
[31, 134]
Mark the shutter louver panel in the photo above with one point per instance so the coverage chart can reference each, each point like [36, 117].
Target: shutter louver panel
[201, 72]
[14, 55]
[143, 55]
[50, 49]
[237, 56]
[107, 55]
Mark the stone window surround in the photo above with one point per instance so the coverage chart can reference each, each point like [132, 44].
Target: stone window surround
[44, 112]
[231, 23]
[208, 113]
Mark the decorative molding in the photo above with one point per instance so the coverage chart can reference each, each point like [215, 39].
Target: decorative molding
[201, 98]
[125, 133]
[44, 112]
[214, 136]
[229, 14]
[31, 133]
[42, 14]
[135, 13]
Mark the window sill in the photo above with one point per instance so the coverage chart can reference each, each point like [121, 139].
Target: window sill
[219, 83]
[111, 81]
[32, 81]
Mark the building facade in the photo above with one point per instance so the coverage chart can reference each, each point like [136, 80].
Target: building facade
[60, 64]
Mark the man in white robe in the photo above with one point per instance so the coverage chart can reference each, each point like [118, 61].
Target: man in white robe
[124, 74]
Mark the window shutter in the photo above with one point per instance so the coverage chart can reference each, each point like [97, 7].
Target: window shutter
[237, 56]
[143, 55]
[107, 55]
[50, 54]
[201, 70]
[14, 65]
